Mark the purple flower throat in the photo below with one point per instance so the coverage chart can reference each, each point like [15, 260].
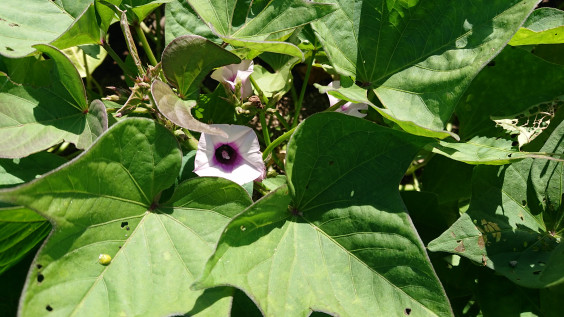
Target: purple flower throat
[227, 157]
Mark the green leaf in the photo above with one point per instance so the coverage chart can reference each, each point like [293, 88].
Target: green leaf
[277, 83]
[44, 103]
[497, 296]
[442, 176]
[543, 26]
[217, 107]
[22, 229]
[156, 249]
[182, 20]
[338, 238]
[418, 56]
[551, 300]
[480, 150]
[84, 30]
[503, 90]
[26, 23]
[548, 180]
[140, 8]
[190, 58]
[259, 25]
[84, 61]
[178, 110]
[504, 227]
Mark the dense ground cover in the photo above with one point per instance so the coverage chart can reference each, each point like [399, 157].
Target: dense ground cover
[281, 158]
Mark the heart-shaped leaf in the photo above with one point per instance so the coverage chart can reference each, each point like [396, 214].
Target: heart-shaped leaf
[190, 58]
[44, 103]
[115, 249]
[338, 239]
[418, 56]
[259, 25]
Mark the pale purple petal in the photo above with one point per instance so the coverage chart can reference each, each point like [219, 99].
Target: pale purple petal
[349, 108]
[352, 109]
[230, 74]
[237, 158]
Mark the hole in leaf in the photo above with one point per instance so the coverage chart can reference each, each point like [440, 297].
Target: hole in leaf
[509, 155]
[536, 272]
[49, 308]
[514, 143]
[123, 224]
[127, 228]
[407, 311]
[40, 278]
[541, 263]
[39, 266]
[524, 203]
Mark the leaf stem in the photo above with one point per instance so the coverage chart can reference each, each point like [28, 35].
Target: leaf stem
[277, 142]
[116, 59]
[282, 120]
[145, 44]
[298, 104]
[130, 43]
[262, 98]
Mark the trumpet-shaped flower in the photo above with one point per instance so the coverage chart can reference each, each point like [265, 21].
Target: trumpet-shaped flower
[236, 158]
[234, 75]
[352, 109]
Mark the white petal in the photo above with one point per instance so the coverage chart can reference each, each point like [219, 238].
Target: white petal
[333, 100]
[250, 167]
[352, 109]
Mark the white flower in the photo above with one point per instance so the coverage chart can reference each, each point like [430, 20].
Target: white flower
[234, 73]
[236, 158]
[352, 109]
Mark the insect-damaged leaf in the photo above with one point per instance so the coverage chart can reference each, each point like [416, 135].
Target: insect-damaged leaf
[338, 238]
[105, 202]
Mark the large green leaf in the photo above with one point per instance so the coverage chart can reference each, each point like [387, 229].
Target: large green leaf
[43, 102]
[543, 26]
[106, 201]
[418, 56]
[26, 23]
[182, 20]
[338, 238]
[513, 83]
[504, 228]
[259, 25]
[188, 59]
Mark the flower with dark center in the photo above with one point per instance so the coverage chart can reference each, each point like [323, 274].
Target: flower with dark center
[352, 109]
[237, 157]
[236, 74]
